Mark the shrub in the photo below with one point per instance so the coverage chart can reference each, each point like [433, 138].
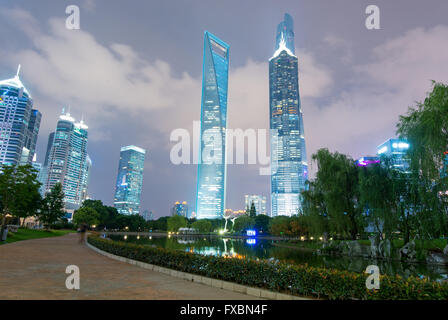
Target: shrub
[291, 279]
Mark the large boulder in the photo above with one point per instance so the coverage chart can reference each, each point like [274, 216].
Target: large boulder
[384, 249]
[408, 252]
[354, 248]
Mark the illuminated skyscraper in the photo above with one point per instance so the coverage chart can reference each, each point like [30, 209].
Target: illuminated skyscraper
[289, 169]
[180, 209]
[396, 150]
[19, 123]
[129, 180]
[211, 184]
[258, 201]
[67, 160]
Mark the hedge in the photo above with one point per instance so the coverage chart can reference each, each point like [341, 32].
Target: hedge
[300, 280]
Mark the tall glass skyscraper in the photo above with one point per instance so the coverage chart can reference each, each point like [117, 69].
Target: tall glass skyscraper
[129, 180]
[19, 123]
[67, 160]
[211, 184]
[289, 169]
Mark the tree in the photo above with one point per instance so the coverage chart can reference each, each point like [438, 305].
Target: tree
[337, 182]
[19, 193]
[262, 223]
[107, 215]
[425, 127]
[176, 222]
[253, 211]
[279, 226]
[203, 226]
[87, 216]
[52, 206]
[28, 200]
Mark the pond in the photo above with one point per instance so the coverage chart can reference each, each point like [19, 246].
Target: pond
[253, 248]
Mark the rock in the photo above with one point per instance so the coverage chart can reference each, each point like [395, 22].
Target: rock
[384, 249]
[407, 252]
[436, 258]
[445, 251]
[354, 248]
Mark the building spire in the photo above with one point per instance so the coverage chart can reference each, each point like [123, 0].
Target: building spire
[18, 70]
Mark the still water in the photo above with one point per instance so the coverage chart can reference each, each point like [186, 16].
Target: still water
[254, 248]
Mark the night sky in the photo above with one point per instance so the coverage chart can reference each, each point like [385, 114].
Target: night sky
[133, 72]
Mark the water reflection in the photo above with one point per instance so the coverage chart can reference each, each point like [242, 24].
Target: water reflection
[253, 248]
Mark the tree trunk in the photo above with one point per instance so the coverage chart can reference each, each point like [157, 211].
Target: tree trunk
[2, 227]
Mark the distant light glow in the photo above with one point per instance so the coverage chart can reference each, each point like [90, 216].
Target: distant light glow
[251, 241]
[251, 233]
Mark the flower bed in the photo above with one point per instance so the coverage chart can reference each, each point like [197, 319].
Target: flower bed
[300, 280]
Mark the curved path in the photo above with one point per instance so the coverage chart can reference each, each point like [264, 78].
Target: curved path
[35, 269]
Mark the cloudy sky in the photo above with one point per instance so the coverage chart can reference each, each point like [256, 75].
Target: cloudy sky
[133, 72]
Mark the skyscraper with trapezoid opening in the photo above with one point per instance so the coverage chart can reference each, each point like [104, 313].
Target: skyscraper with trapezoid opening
[211, 184]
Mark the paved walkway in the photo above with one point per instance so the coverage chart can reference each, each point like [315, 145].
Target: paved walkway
[35, 269]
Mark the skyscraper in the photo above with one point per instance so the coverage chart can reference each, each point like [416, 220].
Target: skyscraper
[396, 150]
[289, 169]
[67, 160]
[19, 123]
[180, 209]
[258, 201]
[211, 184]
[129, 180]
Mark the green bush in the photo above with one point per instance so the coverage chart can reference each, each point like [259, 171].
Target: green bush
[291, 279]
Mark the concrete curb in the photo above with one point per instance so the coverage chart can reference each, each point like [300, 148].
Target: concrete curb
[225, 285]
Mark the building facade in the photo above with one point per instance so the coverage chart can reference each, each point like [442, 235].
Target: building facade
[19, 123]
[258, 201]
[129, 180]
[180, 209]
[67, 160]
[367, 161]
[289, 169]
[396, 150]
[211, 183]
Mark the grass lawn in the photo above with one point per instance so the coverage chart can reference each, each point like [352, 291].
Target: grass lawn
[27, 234]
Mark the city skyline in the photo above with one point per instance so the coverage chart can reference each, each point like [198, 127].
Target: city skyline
[333, 56]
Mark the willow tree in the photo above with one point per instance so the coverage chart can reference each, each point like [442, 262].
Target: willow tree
[337, 180]
[426, 128]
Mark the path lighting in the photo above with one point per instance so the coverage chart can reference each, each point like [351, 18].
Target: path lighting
[320, 238]
[311, 238]
[125, 237]
[126, 228]
[138, 237]
[331, 239]
[94, 226]
[221, 231]
[302, 238]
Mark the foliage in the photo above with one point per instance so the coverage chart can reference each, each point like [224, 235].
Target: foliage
[107, 215]
[243, 223]
[176, 222]
[87, 216]
[287, 226]
[262, 223]
[203, 226]
[19, 192]
[426, 129]
[281, 277]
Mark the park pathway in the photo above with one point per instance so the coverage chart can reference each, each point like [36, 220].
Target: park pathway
[35, 269]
